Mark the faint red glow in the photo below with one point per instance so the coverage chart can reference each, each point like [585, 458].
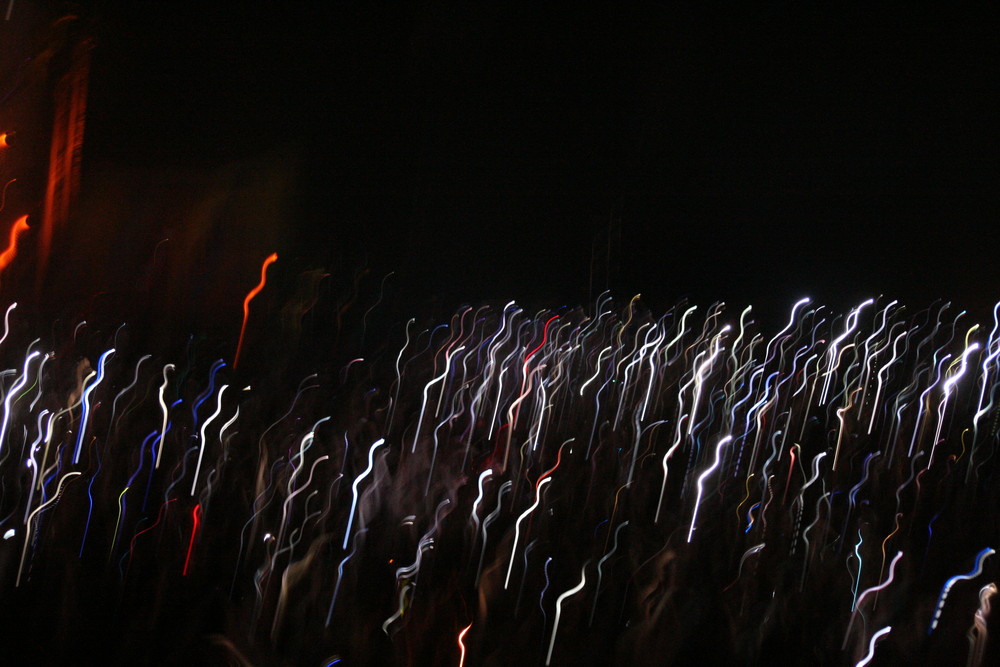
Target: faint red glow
[65, 151]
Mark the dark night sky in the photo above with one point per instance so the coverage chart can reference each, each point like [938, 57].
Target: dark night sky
[483, 150]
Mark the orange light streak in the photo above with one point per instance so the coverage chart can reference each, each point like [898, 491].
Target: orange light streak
[8, 255]
[273, 257]
[461, 644]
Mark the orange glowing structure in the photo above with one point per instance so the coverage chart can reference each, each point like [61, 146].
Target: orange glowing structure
[66, 150]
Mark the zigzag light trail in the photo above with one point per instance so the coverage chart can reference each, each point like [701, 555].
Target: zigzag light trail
[555, 430]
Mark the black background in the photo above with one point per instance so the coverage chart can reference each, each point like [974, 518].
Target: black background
[495, 151]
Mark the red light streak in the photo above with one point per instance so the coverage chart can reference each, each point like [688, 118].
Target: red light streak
[196, 517]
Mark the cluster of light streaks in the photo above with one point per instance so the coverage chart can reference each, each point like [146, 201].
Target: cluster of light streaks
[612, 466]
